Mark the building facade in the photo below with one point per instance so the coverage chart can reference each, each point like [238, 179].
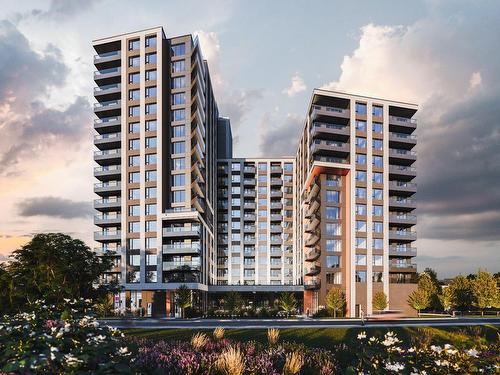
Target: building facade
[175, 208]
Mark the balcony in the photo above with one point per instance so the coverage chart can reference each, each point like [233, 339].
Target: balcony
[107, 57]
[108, 157]
[402, 219]
[249, 169]
[276, 228]
[325, 113]
[108, 141]
[182, 248]
[403, 122]
[107, 124]
[222, 205]
[313, 192]
[249, 205]
[249, 228]
[107, 236]
[402, 235]
[249, 217]
[276, 181]
[108, 188]
[402, 251]
[402, 140]
[399, 172]
[312, 269]
[312, 225]
[249, 193]
[107, 204]
[108, 108]
[402, 204]
[332, 132]
[182, 266]
[402, 267]
[108, 92]
[107, 76]
[332, 148]
[312, 284]
[276, 193]
[312, 254]
[276, 217]
[276, 205]
[276, 240]
[402, 156]
[107, 172]
[402, 188]
[184, 231]
[249, 181]
[104, 220]
[312, 239]
[276, 169]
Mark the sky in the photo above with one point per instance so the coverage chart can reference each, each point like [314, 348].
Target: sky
[265, 59]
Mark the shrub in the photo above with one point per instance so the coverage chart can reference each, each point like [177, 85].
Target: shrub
[231, 361]
[219, 333]
[199, 340]
[273, 335]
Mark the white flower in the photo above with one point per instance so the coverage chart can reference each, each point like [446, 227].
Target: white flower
[436, 349]
[411, 350]
[373, 339]
[53, 349]
[123, 351]
[362, 335]
[472, 352]
[59, 334]
[394, 366]
[71, 359]
[442, 363]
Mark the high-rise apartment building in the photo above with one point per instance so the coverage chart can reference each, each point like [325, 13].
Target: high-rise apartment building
[176, 208]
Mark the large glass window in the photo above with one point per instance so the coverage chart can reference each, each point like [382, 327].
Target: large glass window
[134, 61]
[360, 276]
[332, 212]
[178, 196]
[360, 193]
[151, 58]
[361, 242]
[333, 245]
[134, 44]
[378, 161]
[360, 260]
[178, 82]
[378, 210]
[360, 126]
[151, 159]
[378, 194]
[178, 49]
[178, 180]
[151, 92]
[360, 176]
[178, 66]
[361, 108]
[378, 127]
[133, 111]
[133, 177]
[334, 278]
[151, 125]
[178, 147]
[134, 77]
[150, 176]
[377, 111]
[333, 180]
[151, 242]
[179, 98]
[150, 193]
[134, 127]
[378, 260]
[378, 227]
[151, 108]
[134, 210]
[151, 75]
[133, 161]
[361, 159]
[133, 227]
[150, 209]
[135, 259]
[134, 94]
[178, 164]
[361, 209]
[178, 114]
[178, 131]
[333, 261]
[378, 243]
[150, 41]
[134, 194]
[332, 196]
[151, 142]
[360, 225]
[378, 144]
[361, 142]
[378, 178]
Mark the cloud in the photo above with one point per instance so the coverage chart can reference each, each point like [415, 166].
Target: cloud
[59, 10]
[434, 62]
[296, 86]
[280, 140]
[54, 207]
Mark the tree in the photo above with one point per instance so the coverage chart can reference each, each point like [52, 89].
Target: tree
[379, 301]
[428, 283]
[418, 300]
[446, 298]
[183, 298]
[335, 301]
[54, 267]
[461, 292]
[484, 290]
[232, 302]
[287, 303]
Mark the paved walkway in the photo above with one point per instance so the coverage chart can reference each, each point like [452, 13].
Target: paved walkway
[152, 323]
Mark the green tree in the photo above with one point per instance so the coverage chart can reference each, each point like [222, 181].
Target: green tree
[427, 281]
[418, 300]
[335, 301]
[484, 290]
[232, 302]
[183, 298]
[54, 267]
[104, 306]
[461, 292]
[287, 303]
[379, 301]
[446, 298]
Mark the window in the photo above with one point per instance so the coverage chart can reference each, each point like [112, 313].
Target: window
[134, 94]
[377, 127]
[150, 176]
[133, 177]
[134, 210]
[360, 276]
[151, 75]
[378, 144]
[151, 58]
[135, 260]
[378, 243]
[377, 260]
[361, 242]
[151, 125]
[151, 42]
[178, 66]
[378, 194]
[360, 126]
[377, 277]
[262, 190]
[151, 108]
[235, 190]
[133, 194]
[133, 127]
[178, 196]
[151, 92]
[178, 131]
[332, 212]
[378, 227]
[378, 161]
[178, 164]
[178, 180]
[178, 114]
[134, 61]
[262, 213]
[361, 225]
[361, 108]
[236, 167]
[150, 209]
[378, 210]
[360, 176]
[360, 260]
[377, 111]
[262, 178]
[150, 192]
[378, 177]
[133, 243]
[178, 49]
[133, 44]
[178, 147]
[333, 261]
[151, 242]
[178, 82]
[333, 180]
[361, 209]
[288, 167]
[133, 161]
[150, 159]
[236, 178]
[133, 111]
[179, 98]
[332, 196]
[133, 78]
[361, 159]
[133, 144]
[333, 245]
[262, 202]
[133, 226]
[151, 259]
[334, 278]
[150, 142]
[361, 193]
[361, 142]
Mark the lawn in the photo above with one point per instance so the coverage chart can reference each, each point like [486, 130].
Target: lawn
[460, 337]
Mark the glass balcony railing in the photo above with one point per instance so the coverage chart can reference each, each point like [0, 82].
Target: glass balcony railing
[107, 136]
[403, 135]
[109, 103]
[106, 55]
[105, 88]
[103, 72]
